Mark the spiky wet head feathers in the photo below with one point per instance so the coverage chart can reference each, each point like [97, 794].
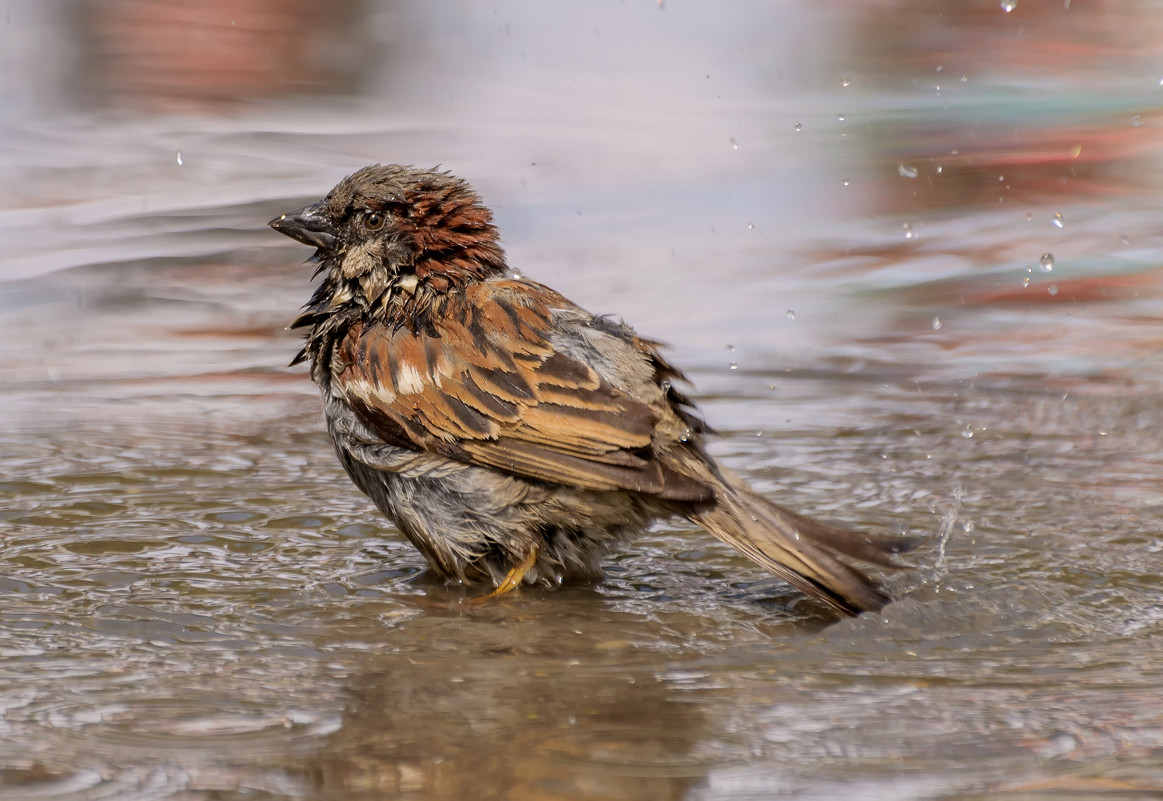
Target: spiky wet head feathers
[413, 221]
[395, 241]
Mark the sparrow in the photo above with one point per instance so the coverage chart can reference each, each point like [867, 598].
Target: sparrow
[512, 436]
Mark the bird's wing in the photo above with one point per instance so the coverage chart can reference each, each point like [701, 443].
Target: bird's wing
[485, 385]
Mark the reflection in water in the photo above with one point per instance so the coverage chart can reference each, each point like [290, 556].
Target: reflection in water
[528, 714]
[194, 603]
[1033, 106]
[162, 54]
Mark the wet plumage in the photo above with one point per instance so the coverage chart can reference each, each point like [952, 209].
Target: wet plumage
[512, 436]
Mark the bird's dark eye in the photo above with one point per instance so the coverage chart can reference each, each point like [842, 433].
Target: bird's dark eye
[373, 221]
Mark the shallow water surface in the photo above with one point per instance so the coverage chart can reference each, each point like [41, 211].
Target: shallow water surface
[195, 603]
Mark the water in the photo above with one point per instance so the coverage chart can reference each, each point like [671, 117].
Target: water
[196, 603]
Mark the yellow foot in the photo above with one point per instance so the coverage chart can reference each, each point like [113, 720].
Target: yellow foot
[513, 579]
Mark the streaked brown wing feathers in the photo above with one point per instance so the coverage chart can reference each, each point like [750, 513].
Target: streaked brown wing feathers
[487, 387]
[536, 461]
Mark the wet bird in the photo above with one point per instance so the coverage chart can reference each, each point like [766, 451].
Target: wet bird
[511, 435]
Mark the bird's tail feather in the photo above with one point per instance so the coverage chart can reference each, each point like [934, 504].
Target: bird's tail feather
[809, 555]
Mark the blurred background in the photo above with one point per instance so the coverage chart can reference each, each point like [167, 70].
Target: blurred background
[909, 253]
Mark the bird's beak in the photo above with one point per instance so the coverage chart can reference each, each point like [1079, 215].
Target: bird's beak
[309, 225]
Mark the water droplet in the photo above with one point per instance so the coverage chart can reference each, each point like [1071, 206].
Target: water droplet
[1001, 177]
[730, 347]
[685, 436]
[733, 366]
[1136, 120]
[1058, 222]
[839, 118]
[940, 67]
[179, 158]
[1029, 216]
[750, 226]
[967, 526]
[1126, 240]
[844, 82]
[799, 126]
[1008, 5]
[734, 144]
[1053, 290]
[791, 315]
[908, 231]
[1046, 263]
[665, 385]
[964, 78]
[1026, 281]
[906, 170]
[845, 182]
[967, 432]
[936, 323]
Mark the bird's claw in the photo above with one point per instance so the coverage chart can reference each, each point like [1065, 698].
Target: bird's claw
[513, 579]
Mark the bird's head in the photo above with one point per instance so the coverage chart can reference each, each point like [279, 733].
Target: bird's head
[390, 232]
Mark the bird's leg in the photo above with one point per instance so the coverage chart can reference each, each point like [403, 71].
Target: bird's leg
[516, 574]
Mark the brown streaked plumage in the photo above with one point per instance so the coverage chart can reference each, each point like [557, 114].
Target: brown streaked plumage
[511, 435]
